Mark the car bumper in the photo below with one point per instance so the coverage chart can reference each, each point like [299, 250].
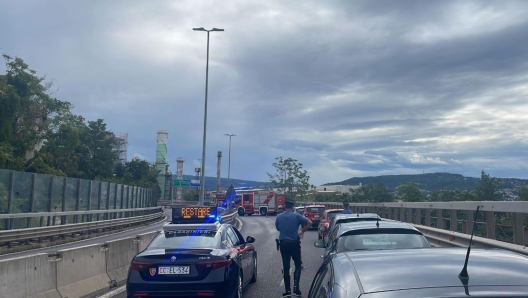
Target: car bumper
[315, 223]
[214, 285]
[203, 289]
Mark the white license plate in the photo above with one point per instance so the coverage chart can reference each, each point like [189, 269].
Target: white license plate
[316, 216]
[173, 270]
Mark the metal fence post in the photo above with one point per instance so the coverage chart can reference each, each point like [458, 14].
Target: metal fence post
[115, 202]
[518, 229]
[453, 222]
[490, 224]
[10, 221]
[89, 216]
[107, 215]
[32, 199]
[129, 195]
[121, 204]
[50, 199]
[99, 194]
[63, 203]
[77, 201]
[439, 219]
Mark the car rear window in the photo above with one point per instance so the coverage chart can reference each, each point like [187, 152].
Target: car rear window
[374, 241]
[315, 209]
[354, 219]
[186, 239]
[331, 215]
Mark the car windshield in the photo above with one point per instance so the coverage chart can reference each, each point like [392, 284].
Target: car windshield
[381, 241]
[315, 209]
[181, 239]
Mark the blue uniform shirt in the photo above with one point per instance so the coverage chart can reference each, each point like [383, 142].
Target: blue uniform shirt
[347, 211]
[288, 225]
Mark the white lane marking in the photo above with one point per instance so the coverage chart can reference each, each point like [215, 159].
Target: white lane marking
[282, 280]
[113, 293]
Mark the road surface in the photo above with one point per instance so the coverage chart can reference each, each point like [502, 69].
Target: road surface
[269, 283]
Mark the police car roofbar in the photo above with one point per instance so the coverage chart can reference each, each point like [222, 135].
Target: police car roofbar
[192, 227]
[194, 215]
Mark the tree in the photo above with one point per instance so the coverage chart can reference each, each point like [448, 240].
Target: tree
[371, 193]
[410, 192]
[523, 193]
[488, 188]
[27, 110]
[137, 172]
[290, 177]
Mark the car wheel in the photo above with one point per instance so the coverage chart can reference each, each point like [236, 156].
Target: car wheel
[319, 237]
[254, 277]
[240, 287]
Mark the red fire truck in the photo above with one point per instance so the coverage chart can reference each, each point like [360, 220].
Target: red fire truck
[259, 201]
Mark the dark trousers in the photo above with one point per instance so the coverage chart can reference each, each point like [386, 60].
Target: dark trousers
[291, 250]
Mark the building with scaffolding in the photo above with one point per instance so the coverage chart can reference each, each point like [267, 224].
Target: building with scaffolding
[121, 146]
[161, 161]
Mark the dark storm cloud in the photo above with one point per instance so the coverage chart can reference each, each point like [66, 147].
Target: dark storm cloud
[347, 87]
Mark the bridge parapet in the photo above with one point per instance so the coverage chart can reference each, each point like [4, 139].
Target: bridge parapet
[498, 220]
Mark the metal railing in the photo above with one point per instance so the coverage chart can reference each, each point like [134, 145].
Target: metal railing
[25, 236]
[498, 220]
[23, 192]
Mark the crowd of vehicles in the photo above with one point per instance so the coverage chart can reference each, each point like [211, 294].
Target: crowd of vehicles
[364, 256]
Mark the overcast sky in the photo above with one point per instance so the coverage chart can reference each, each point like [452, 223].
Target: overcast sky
[349, 88]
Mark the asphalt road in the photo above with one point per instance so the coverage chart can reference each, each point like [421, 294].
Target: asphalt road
[269, 277]
[96, 240]
[269, 283]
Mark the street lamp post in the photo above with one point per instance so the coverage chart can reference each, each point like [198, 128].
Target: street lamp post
[202, 178]
[229, 162]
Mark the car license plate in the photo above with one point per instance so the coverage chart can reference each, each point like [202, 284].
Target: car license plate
[316, 216]
[173, 270]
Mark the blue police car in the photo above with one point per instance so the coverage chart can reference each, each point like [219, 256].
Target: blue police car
[194, 256]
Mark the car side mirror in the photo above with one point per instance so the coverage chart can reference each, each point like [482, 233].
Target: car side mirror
[250, 239]
[319, 243]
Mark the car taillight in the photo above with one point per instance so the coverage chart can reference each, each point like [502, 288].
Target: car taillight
[140, 266]
[213, 264]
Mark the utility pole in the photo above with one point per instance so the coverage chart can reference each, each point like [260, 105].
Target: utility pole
[229, 162]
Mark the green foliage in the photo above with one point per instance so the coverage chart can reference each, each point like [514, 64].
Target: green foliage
[523, 193]
[137, 172]
[410, 192]
[38, 133]
[290, 177]
[371, 193]
[488, 188]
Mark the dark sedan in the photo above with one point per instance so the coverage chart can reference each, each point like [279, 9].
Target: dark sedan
[191, 260]
[428, 272]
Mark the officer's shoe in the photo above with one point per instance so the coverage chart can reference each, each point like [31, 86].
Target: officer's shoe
[297, 291]
[287, 294]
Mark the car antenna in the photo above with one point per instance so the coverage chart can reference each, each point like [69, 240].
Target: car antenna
[463, 276]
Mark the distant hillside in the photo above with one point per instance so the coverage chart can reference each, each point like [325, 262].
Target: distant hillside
[210, 182]
[430, 181]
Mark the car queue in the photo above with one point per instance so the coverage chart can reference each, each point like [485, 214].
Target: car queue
[363, 255]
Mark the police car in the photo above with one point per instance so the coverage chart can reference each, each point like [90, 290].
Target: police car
[194, 256]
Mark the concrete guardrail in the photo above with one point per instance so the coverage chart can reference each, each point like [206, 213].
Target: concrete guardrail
[78, 272]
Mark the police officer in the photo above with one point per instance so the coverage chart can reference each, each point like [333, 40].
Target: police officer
[346, 208]
[287, 223]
